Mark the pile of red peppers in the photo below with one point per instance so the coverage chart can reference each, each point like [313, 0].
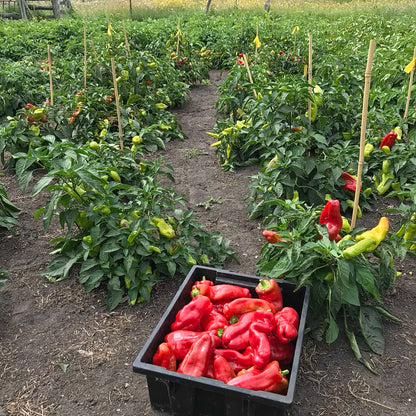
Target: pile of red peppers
[227, 334]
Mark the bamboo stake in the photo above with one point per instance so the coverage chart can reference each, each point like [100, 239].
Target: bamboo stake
[409, 91]
[363, 130]
[126, 41]
[257, 36]
[249, 73]
[310, 79]
[85, 58]
[50, 74]
[120, 131]
[93, 50]
[178, 34]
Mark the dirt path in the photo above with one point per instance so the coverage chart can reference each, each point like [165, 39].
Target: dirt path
[63, 354]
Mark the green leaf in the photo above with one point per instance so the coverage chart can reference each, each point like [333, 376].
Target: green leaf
[91, 280]
[349, 289]
[42, 184]
[365, 278]
[372, 329]
[63, 367]
[115, 293]
[332, 331]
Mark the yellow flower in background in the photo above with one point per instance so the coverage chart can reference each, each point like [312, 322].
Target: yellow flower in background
[295, 29]
[410, 66]
[257, 42]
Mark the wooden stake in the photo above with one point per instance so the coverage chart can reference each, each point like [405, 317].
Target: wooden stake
[120, 130]
[249, 73]
[93, 50]
[50, 74]
[178, 34]
[409, 91]
[363, 130]
[85, 58]
[126, 41]
[310, 79]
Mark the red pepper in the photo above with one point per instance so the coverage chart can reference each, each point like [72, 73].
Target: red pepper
[222, 369]
[269, 290]
[189, 317]
[331, 216]
[202, 287]
[350, 182]
[285, 330]
[289, 314]
[220, 293]
[259, 342]
[282, 385]
[236, 360]
[270, 379]
[198, 357]
[236, 336]
[181, 341]
[213, 320]
[239, 306]
[388, 140]
[271, 236]
[165, 357]
[281, 351]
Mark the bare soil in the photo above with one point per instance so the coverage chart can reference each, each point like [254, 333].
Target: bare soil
[62, 353]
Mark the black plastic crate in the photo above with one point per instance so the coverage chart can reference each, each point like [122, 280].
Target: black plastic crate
[182, 395]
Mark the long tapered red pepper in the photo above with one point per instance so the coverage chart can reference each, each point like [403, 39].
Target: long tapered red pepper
[213, 320]
[236, 359]
[165, 357]
[259, 342]
[220, 293]
[388, 140]
[236, 336]
[350, 182]
[331, 217]
[268, 380]
[269, 290]
[198, 357]
[222, 369]
[281, 351]
[189, 317]
[181, 340]
[243, 305]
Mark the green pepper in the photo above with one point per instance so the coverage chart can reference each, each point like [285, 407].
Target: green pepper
[384, 185]
[351, 205]
[164, 228]
[410, 233]
[115, 176]
[205, 259]
[378, 233]
[358, 248]
[368, 148]
[174, 248]
[103, 209]
[132, 237]
[191, 261]
[154, 249]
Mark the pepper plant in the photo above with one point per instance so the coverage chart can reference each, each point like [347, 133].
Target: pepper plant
[347, 282]
[122, 226]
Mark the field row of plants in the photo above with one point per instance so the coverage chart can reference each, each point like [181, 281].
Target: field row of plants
[125, 227]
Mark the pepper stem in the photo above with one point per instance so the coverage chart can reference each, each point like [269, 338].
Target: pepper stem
[264, 284]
